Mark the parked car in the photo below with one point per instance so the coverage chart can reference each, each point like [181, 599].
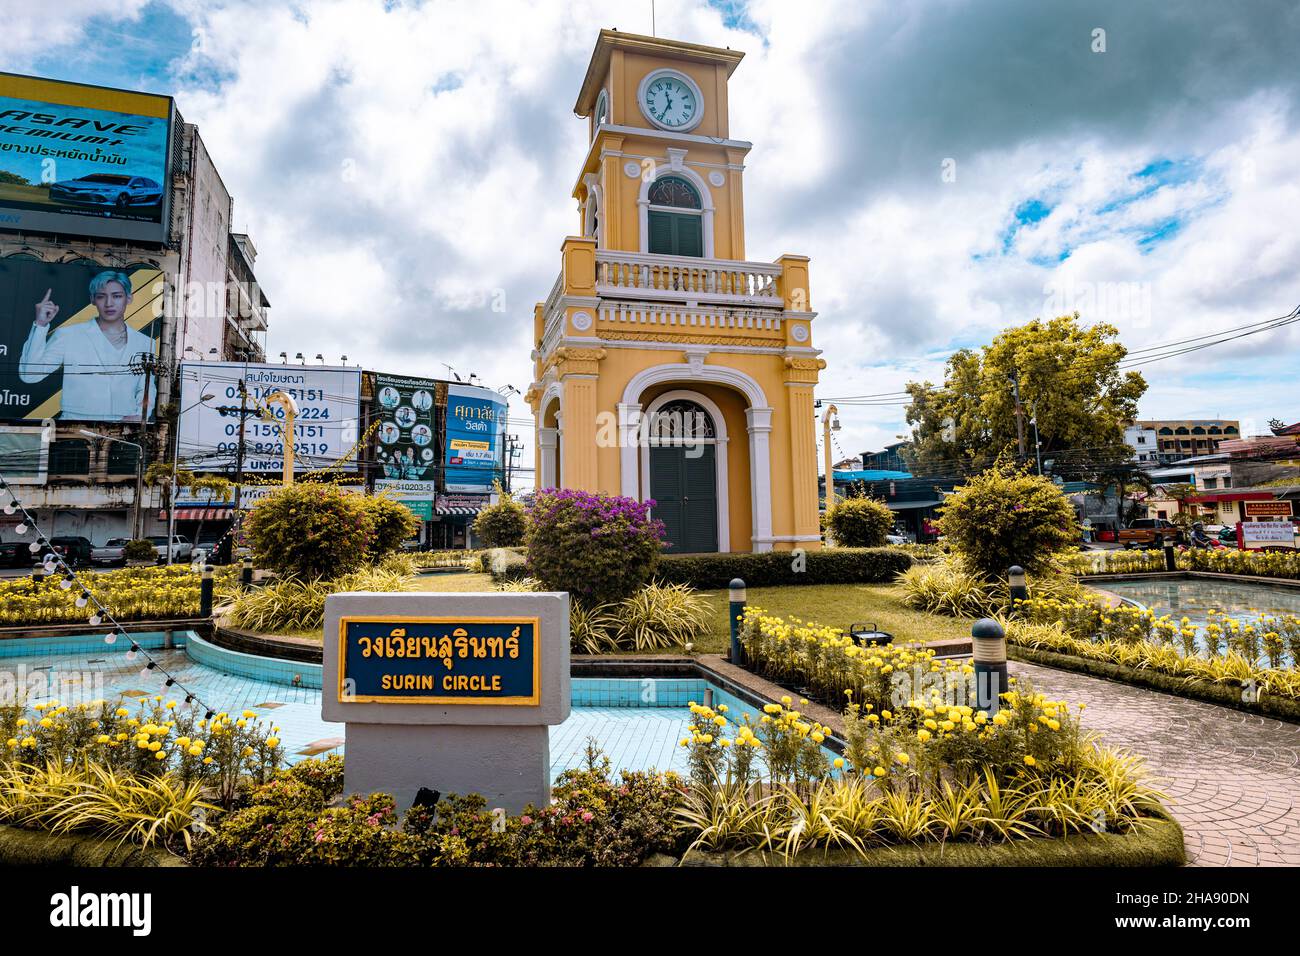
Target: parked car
[181, 547]
[112, 551]
[1144, 531]
[74, 550]
[16, 555]
[108, 189]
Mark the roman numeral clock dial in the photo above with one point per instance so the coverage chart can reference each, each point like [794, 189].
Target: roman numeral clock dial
[670, 102]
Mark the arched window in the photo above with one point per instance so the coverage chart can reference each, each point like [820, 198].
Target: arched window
[69, 456]
[681, 421]
[675, 220]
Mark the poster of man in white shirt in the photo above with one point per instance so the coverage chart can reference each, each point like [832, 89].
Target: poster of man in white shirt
[94, 354]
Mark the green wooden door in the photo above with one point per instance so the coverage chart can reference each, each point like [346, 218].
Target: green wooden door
[684, 485]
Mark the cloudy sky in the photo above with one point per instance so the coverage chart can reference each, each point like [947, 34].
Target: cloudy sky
[951, 167]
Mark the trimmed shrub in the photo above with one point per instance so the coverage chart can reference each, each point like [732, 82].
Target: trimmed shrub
[502, 525]
[139, 549]
[859, 522]
[827, 566]
[310, 530]
[393, 523]
[597, 547]
[1006, 516]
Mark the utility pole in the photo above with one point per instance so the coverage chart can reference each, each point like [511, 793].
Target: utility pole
[239, 449]
[1020, 413]
[146, 364]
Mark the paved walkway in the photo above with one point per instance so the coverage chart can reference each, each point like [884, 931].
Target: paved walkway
[1233, 779]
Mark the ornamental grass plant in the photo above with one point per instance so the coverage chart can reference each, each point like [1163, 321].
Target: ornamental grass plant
[929, 771]
[144, 771]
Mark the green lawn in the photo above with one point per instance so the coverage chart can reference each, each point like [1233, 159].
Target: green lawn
[836, 605]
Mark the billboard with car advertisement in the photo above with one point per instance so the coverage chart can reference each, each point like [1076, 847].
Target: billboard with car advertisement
[475, 423]
[71, 336]
[404, 445]
[325, 430]
[84, 160]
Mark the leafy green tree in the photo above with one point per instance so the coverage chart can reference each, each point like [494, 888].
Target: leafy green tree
[1069, 379]
[310, 530]
[393, 523]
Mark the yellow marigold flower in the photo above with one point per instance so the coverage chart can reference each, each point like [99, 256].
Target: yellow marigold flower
[947, 725]
[29, 741]
[838, 763]
[122, 712]
[195, 751]
[724, 742]
[772, 708]
[273, 741]
[207, 760]
[706, 738]
[902, 758]
[159, 756]
[171, 705]
[685, 741]
[981, 717]
[102, 739]
[923, 735]
[722, 708]
[1030, 761]
[817, 736]
[22, 721]
[12, 742]
[878, 772]
[155, 746]
[46, 722]
[241, 723]
[786, 700]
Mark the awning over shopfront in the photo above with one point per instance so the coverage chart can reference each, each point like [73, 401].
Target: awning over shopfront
[199, 514]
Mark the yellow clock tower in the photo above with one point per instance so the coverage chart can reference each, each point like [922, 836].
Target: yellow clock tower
[666, 365]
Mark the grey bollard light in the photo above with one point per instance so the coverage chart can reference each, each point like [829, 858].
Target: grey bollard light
[737, 598]
[1171, 564]
[989, 649]
[1016, 582]
[246, 575]
[205, 592]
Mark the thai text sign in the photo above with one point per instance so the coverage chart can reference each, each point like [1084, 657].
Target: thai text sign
[1261, 509]
[438, 660]
[84, 160]
[1267, 533]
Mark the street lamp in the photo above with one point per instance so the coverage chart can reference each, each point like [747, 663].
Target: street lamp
[139, 474]
[830, 421]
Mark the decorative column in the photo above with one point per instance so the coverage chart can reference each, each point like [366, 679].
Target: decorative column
[578, 370]
[759, 423]
[629, 442]
[547, 440]
[800, 377]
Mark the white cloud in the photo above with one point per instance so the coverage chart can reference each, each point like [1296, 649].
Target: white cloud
[402, 173]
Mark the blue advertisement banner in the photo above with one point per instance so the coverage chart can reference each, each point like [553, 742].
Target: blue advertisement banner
[475, 424]
[422, 660]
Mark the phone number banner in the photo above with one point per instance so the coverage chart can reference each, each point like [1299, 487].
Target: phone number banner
[326, 428]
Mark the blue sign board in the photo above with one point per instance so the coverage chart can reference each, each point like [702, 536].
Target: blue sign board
[439, 660]
[475, 422]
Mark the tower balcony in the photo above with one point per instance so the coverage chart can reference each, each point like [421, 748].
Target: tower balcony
[608, 294]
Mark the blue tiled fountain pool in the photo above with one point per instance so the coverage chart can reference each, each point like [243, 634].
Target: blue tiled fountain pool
[637, 722]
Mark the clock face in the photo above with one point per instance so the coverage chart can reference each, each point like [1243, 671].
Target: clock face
[670, 102]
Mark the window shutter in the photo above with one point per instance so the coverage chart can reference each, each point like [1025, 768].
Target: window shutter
[690, 236]
[661, 233]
